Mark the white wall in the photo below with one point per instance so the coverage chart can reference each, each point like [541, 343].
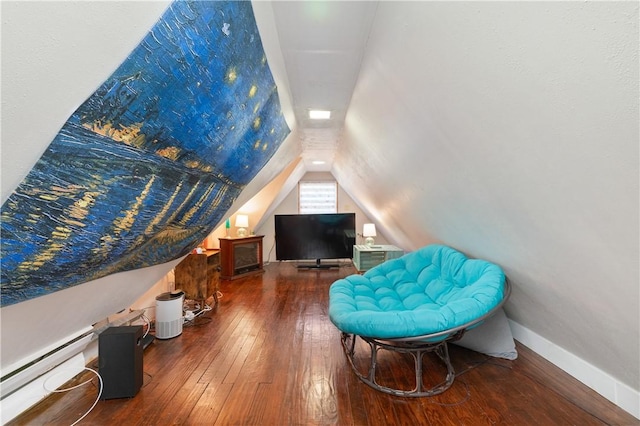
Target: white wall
[510, 131]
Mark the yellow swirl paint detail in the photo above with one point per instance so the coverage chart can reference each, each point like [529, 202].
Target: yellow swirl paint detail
[186, 201]
[213, 206]
[125, 222]
[170, 152]
[197, 206]
[165, 209]
[48, 197]
[80, 209]
[129, 135]
[72, 218]
[56, 244]
[231, 75]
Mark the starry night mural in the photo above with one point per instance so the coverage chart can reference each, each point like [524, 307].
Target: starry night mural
[152, 161]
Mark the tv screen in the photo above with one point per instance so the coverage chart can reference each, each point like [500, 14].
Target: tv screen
[315, 236]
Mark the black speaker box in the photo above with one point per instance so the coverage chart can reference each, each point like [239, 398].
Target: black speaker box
[120, 361]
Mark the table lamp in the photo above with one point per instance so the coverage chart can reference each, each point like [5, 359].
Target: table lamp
[242, 222]
[369, 231]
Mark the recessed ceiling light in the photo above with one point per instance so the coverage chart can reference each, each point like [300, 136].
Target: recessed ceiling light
[317, 162]
[318, 114]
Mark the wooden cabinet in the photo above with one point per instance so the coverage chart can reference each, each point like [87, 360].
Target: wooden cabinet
[198, 275]
[366, 257]
[240, 257]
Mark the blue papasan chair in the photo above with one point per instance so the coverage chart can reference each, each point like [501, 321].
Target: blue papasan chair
[416, 304]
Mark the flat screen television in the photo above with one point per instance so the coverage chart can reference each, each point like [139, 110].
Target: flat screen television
[315, 237]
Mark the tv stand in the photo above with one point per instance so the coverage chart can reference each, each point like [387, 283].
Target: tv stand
[318, 265]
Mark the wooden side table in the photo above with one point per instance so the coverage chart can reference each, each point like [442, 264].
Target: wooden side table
[198, 275]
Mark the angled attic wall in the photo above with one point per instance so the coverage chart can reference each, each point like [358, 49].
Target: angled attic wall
[510, 131]
[61, 313]
[48, 70]
[39, 83]
[144, 169]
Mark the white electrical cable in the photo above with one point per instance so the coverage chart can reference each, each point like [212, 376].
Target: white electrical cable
[144, 317]
[77, 386]
[145, 308]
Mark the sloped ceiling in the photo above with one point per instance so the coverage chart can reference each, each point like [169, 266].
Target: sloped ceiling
[322, 44]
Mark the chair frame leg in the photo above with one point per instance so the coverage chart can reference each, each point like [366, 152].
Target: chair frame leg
[416, 349]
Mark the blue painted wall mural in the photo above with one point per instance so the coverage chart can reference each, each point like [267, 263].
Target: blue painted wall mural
[152, 161]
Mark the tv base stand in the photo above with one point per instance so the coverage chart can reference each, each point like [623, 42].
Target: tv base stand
[318, 265]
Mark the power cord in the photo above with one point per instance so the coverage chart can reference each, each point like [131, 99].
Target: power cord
[190, 315]
[268, 261]
[148, 322]
[44, 385]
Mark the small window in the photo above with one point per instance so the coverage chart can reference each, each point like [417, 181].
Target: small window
[317, 197]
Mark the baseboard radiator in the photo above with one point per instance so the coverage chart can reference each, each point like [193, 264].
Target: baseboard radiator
[23, 384]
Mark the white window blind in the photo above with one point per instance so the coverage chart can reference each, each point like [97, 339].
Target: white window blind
[318, 197]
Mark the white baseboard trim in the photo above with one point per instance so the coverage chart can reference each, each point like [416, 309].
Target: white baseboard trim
[606, 385]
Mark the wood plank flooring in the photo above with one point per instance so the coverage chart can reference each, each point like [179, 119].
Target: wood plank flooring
[267, 354]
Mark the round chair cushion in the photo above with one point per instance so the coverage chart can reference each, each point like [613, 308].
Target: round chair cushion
[430, 290]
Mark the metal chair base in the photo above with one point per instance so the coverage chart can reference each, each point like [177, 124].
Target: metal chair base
[416, 348]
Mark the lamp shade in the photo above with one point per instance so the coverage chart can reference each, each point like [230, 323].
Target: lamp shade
[242, 221]
[369, 230]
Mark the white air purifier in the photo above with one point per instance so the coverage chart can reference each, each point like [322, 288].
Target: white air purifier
[169, 314]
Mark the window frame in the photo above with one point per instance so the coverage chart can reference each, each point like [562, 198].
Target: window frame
[323, 186]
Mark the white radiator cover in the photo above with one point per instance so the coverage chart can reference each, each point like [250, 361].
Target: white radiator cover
[42, 361]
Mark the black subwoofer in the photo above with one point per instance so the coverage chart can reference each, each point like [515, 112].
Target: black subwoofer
[120, 361]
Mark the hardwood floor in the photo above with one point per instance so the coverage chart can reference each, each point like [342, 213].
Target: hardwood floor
[268, 355]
